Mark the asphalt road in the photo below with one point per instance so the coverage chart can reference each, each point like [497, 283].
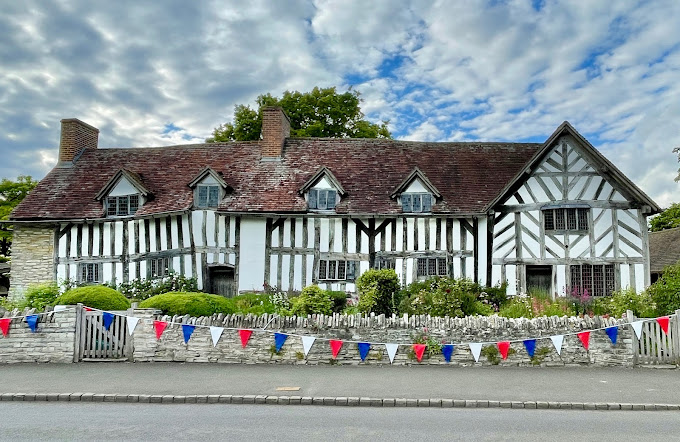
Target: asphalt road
[79, 421]
[562, 384]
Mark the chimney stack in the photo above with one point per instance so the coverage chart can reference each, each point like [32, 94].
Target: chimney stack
[275, 130]
[75, 137]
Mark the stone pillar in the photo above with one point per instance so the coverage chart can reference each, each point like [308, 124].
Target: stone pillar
[32, 258]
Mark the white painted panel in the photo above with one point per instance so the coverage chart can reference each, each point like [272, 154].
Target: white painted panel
[337, 246]
[524, 194]
[555, 157]
[470, 245]
[221, 231]
[470, 268]
[495, 275]
[639, 277]
[164, 235]
[482, 251]
[605, 192]
[152, 236]
[388, 237]
[400, 235]
[298, 283]
[73, 272]
[197, 225]
[550, 184]
[456, 234]
[176, 264]
[456, 268]
[142, 269]
[580, 164]
[510, 271]
[350, 287]
[86, 237]
[74, 241]
[62, 246]
[119, 272]
[251, 272]
[409, 271]
[351, 237]
[553, 245]
[285, 270]
[580, 247]
[210, 228]
[210, 258]
[531, 224]
[95, 240]
[410, 228]
[421, 233]
[537, 189]
[323, 247]
[376, 242]
[364, 243]
[310, 270]
[174, 233]
[512, 201]
[530, 247]
[61, 272]
[286, 233]
[124, 187]
[106, 249]
[578, 187]
[132, 271]
[433, 233]
[603, 223]
[298, 232]
[118, 238]
[199, 271]
[232, 231]
[131, 236]
[363, 266]
[442, 244]
[398, 263]
[625, 276]
[107, 271]
[416, 186]
[231, 259]
[618, 197]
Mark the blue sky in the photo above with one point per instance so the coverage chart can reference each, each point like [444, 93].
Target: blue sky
[162, 73]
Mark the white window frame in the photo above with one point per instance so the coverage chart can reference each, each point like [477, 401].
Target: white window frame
[208, 203]
[316, 202]
[120, 209]
[408, 202]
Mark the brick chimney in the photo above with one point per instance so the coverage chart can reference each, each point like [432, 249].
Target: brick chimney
[275, 130]
[75, 136]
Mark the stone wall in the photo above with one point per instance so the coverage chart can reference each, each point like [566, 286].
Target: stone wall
[400, 330]
[53, 340]
[32, 258]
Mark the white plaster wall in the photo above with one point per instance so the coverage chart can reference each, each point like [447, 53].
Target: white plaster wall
[251, 266]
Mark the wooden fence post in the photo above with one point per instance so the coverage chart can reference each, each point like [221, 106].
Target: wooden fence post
[77, 333]
[635, 341]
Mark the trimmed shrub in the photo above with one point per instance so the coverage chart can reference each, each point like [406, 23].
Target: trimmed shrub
[339, 300]
[41, 295]
[312, 300]
[189, 303]
[665, 292]
[378, 291]
[96, 296]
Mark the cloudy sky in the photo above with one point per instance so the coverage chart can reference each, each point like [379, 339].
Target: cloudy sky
[161, 73]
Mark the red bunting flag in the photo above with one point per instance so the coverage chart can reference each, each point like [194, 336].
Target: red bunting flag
[419, 350]
[87, 309]
[159, 326]
[663, 322]
[503, 347]
[335, 347]
[585, 339]
[245, 335]
[4, 325]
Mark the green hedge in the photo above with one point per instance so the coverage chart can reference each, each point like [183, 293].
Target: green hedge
[189, 303]
[95, 296]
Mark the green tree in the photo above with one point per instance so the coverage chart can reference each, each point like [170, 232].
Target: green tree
[319, 113]
[667, 219]
[11, 194]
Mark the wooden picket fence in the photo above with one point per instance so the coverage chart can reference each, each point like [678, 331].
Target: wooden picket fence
[94, 342]
[656, 347]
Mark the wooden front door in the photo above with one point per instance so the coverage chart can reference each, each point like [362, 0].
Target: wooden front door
[222, 281]
[539, 280]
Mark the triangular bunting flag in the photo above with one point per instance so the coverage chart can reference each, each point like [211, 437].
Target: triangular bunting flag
[307, 342]
[585, 338]
[60, 308]
[663, 322]
[215, 333]
[530, 345]
[245, 335]
[32, 321]
[391, 351]
[503, 348]
[419, 350]
[447, 351]
[131, 324]
[4, 325]
[557, 341]
[613, 333]
[364, 347]
[476, 350]
[87, 309]
[187, 331]
[336, 345]
[279, 340]
[108, 319]
[159, 326]
[637, 327]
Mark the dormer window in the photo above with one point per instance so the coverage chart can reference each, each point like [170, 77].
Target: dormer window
[209, 189]
[123, 194]
[416, 193]
[322, 191]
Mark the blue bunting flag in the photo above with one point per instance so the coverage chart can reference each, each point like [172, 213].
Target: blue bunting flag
[447, 351]
[187, 330]
[530, 345]
[613, 333]
[279, 340]
[108, 319]
[363, 349]
[32, 321]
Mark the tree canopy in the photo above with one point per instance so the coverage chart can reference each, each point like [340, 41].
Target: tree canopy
[11, 194]
[667, 219]
[319, 113]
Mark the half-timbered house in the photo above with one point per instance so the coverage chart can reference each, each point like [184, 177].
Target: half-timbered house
[290, 212]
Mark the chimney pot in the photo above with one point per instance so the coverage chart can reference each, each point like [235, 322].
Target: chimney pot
[275, 130]
[76, 136]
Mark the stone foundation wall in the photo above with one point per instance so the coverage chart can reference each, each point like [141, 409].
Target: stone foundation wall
[32, 258]
[260, 348]
[53, 340]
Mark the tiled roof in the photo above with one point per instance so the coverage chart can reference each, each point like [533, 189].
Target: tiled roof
[664, 249]
[468, 175]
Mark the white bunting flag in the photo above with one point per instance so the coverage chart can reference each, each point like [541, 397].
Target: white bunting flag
[391, 351]
[637, 326]
[307, 342]
[215, 333]
[60, 308]
[476, 350]
[131, 323]
[557, 342]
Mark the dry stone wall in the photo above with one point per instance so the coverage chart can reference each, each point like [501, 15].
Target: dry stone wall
[32, 258]
[399, 330]
[53, 340]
